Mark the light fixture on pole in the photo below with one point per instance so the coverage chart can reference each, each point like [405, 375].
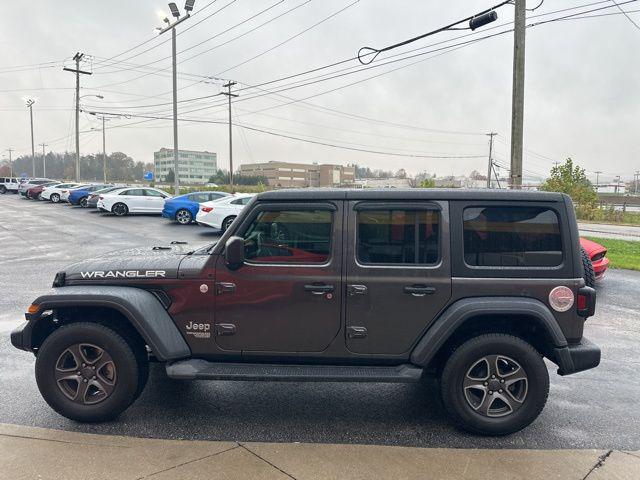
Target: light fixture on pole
[105, 117]
[188, 7]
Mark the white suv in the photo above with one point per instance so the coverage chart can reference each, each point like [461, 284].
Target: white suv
[9, 184]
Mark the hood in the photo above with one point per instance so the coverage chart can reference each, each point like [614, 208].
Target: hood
[146, 263]
[592, 248]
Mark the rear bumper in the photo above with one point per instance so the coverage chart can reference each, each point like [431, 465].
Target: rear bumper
[577, 357]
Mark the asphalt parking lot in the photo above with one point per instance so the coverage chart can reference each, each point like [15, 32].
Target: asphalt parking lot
[594, 409]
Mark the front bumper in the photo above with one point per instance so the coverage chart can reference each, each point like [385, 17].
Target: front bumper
[577, 357]
[600, 267]
[21, 336]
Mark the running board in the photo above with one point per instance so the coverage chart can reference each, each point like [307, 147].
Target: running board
[196, 369]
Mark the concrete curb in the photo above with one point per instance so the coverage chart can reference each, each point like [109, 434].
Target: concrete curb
[30, 452]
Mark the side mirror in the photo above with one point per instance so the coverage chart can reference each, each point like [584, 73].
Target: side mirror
[234, 252]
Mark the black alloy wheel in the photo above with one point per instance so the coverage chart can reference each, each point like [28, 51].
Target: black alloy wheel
[120, 209]
[87, 372]
[494, 384]
[227, 223]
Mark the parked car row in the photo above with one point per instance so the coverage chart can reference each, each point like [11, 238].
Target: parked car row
[211, 208]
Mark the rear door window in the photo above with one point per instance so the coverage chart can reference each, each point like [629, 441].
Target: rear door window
[134, 192]
[398, 237]
[512, 237]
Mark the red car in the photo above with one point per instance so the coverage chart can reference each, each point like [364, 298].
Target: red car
[34, 192]
[597, 254]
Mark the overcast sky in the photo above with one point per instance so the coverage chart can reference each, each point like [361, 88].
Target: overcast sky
[582, 92]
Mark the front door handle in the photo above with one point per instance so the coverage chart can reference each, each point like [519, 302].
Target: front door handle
[419, 290]
[318, 289]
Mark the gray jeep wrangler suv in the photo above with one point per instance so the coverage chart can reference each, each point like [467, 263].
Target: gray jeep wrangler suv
[475, 287]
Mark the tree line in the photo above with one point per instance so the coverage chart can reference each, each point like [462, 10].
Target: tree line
[120, 167]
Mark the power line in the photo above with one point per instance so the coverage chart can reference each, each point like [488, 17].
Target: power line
[626, 15]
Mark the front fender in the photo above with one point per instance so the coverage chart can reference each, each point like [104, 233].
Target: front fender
[143, 310]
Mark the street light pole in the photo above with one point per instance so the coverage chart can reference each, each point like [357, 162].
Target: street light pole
[172, 26]
[30, 103]
[597, 179]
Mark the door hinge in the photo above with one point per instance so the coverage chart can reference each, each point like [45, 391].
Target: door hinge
[224, 329]
[356, 332]
[222, 287]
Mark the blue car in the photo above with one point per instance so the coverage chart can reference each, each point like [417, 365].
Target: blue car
[183, 209]
[80, 196]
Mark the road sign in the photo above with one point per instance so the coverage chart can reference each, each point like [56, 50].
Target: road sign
[148, 176]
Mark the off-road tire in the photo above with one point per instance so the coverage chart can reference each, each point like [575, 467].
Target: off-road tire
[3, 189]
[127, 384]
[226, 223]
[55, 198]
[589, 274]
[184, 216]
[119, 209]
[459, 365]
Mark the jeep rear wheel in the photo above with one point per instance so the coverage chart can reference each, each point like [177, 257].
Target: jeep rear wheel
[494, 384]
[87, 372]
[3, 189]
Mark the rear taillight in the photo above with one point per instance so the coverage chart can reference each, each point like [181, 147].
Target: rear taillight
[101, 197]
[586, 302]
[598, 256]
[206, 209]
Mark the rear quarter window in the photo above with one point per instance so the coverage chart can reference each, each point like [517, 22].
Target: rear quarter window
[504, 236]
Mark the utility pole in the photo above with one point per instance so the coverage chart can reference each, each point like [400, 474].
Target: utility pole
[104, 153]
[77, 57]
[636, 175]
[517, 99]
[597, 179]
[228, 93]
[176, 14]
[490, 168]
[617, 179]
[44, 161]
[10, 162]
[30, 103]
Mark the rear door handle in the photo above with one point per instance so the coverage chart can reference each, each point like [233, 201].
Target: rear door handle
[356, 290]
[419, 290]
[318, 289]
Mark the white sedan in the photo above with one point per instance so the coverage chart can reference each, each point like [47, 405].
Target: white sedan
[221, 213]
[132, 200]
[54, 192]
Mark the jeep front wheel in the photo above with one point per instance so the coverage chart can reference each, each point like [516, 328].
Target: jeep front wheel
[87, 372]
[494, 384]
